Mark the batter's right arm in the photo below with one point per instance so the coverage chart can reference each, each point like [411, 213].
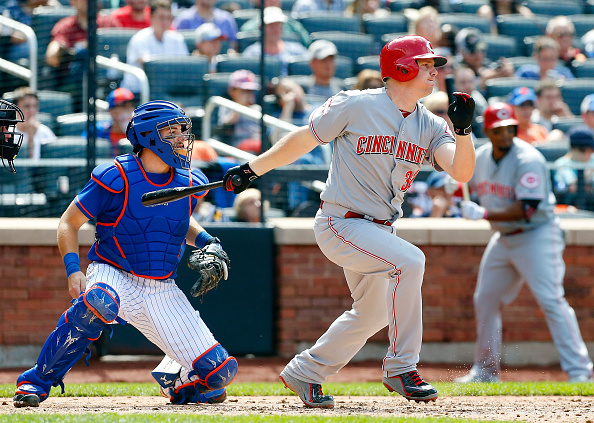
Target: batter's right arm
[68, 228]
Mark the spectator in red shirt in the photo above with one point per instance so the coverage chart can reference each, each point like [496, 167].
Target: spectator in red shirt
[136, 14]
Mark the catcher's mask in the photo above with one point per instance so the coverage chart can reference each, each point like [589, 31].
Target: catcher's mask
[10, 139]
[144, 130]
[398, 58]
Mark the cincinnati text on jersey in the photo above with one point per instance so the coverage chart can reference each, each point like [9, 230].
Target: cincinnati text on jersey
[493, 188]
[384, 144]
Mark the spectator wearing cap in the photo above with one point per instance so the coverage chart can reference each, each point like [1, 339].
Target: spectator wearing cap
[275, 46]
[322, 62]
[587, 110]
[243, 133]
[523, 100]
[208, 40]
[205, 11]
[154, 40]
[292, 26]
[136, 14]
[549, 104]
[570, 188]
[562, 30]
[546, 53]
[301, 7]
[471, 49]
[121, 104]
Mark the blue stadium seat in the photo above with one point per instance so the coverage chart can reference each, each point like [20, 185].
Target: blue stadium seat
[502, 87]
[48, 120]
[574, 91]
[75, 124]
[232, 63]
[287, 5]
[241, 16]
[386, 38]
[247, 38]
[328, 21]
[553, 150]
[589, 7]
[344, 67]
[584, 69]
[176, 78]
[466, 20]
[555, 7]
[519, 26]
[353, 45]
[400, 5]
[378, 26]
[367, 62]
[468, 6]
[582, 23]
[565, 123]
[500, 46]
[216, 84]
[112, 41]
[243, 4]
[55, 103]
[518, 61]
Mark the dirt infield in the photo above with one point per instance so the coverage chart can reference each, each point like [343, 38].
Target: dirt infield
[527, 409]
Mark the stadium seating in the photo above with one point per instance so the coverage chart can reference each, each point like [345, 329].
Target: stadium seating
[468, 6]
[574, 91]
[553, 150]
[378, 26]
[555, 7]
[400, 5]
[518, 61]
[501, 87]
[319, 21]
[75, 124]
[300, 66]
[367, 62]
[353, 45]
[176, 78]
[112, 41]
[466, 20]
[519, 26]
[216, 84]
[243, 4]
[247, 38]
[582, 23]
[227, 63]
[564, 124]
[55, 103]
[584, 69]
[500, 46]
[241, 16]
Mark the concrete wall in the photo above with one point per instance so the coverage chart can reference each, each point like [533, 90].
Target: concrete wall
[312, 291]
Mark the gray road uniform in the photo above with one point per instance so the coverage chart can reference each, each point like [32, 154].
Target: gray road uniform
[530, 251]
[377, 154]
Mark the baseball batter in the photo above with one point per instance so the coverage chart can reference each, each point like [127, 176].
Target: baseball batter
[381, 138]
[514, 191]
[134, 262]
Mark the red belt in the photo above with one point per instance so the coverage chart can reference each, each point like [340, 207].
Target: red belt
[353, 215]
[517, 231]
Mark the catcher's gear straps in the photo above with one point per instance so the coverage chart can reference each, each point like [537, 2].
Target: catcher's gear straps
[215, 369]
[78, 326]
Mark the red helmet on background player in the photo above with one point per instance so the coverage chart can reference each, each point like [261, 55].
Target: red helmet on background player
[499, 114]
[398, 57]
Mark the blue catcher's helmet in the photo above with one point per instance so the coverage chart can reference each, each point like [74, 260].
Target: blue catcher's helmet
[147, 122]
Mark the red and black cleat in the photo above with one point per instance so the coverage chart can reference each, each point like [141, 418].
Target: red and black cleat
[411, 386]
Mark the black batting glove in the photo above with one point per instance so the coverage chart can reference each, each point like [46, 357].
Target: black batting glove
[461, 112]
[239, 178]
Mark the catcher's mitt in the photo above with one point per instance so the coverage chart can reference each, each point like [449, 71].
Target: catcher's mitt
[212, 265]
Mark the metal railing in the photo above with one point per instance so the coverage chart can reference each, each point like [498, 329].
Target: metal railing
[29, 75]
[113, 63]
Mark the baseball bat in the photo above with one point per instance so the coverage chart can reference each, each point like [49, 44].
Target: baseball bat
[168, 195]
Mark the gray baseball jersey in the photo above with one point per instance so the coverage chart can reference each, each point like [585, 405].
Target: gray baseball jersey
[377, 154]
[519, 252]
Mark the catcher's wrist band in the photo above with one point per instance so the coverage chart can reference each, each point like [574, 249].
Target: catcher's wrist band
[202, 239]
[72, 263]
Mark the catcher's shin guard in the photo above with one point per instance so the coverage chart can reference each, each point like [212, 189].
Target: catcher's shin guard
[78, 326]
[212, 371]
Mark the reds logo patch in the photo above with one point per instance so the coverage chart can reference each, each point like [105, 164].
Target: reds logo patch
[326, 106]
[503, 114]
[530, 180]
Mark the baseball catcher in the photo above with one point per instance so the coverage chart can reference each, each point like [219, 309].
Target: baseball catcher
[212, 265]
[10, 140]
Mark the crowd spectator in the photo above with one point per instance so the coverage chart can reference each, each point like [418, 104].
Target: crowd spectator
[445, 70]
[308, 6]
[425, 22]
[208, 39]
[465, 82]
[136, 14]
[368, 79]
[34, 132]
[367, 7]
[322, 61]
[157, 39]
[502, 7]
[247, 206]
[587, 110]
[20, 11]
[292, 26]
[205, 11]
[546, 53]
[275, 46]
[442, 202]
[438, 103]
[241, 131]
[562, 30]
[67, 51]
[571, 188]
[292, 107]
[523, 101]
[549, 104]
[471, 51]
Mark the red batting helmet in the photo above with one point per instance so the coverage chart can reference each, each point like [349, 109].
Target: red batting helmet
[499, 114]
[398, 57]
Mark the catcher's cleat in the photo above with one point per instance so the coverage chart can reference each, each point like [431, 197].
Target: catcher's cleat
[213, 397]
[26, 400]
[411, 386]
[310, 393]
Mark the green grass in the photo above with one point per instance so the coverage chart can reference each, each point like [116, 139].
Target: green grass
[353, 389]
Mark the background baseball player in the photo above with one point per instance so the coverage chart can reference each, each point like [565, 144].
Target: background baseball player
[134, 262]
[381, 138]
[10, 139]
[514, 191]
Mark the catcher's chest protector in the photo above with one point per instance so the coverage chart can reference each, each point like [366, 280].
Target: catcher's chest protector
[152, 239]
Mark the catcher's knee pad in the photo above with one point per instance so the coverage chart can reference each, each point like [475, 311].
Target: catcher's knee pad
[215, 368]
[78, 326]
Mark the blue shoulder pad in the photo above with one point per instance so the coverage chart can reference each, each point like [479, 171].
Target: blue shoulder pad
[198, 178]
[108, 176]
